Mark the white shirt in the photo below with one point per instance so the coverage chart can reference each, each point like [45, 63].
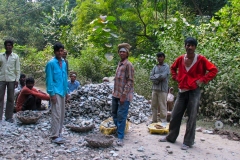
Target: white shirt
[188, 68]
[170, 97]
[9, 68]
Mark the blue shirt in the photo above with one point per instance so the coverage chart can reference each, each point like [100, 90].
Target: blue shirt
[73, 86]
[56, 78]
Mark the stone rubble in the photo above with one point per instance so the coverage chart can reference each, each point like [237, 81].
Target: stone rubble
[90, 103]
[93, 102]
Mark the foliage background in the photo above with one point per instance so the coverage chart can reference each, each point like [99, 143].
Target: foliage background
[90, 29]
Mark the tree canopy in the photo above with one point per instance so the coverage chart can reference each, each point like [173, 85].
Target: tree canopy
[92, 29]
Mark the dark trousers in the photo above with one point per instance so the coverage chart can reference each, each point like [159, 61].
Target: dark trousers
[10, 99]
[31, 103]
[119, 114]
[185, 101]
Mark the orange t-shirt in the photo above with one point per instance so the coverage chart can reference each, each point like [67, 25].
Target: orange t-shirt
[25, 92]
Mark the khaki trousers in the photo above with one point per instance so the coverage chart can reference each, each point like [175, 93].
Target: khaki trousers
[159, 98]
[10, 99]
[58, 113]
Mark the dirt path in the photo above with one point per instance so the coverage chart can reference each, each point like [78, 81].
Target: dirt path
[140, 144]
[214, 146]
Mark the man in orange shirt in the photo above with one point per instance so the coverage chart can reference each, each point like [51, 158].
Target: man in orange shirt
[30, 98]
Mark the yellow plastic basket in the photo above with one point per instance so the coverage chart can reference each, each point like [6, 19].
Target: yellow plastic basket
[108, 131]
[154, 130]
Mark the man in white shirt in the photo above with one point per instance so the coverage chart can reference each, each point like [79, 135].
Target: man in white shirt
[9, 75]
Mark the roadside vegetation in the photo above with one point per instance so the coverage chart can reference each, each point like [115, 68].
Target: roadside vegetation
[91, 30]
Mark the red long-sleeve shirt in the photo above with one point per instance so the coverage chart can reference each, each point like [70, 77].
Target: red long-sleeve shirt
[187, 79]
[26, 92]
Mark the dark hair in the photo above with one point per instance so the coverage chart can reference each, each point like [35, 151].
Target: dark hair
[58, 46]
[191, 41]
[22, 75]
[30, 80]
[8, 41]
[160, 54]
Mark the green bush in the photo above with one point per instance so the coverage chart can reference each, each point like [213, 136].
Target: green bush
[221, 97]
[142, 84]
[218, 41]
[91, 66]
[33, 63]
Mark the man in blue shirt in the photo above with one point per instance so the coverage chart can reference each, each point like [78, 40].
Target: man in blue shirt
[56, 85]
[73, 84]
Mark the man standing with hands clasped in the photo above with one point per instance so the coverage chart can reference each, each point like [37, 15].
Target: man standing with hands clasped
[190, 71]
[9, 76]
[56, 84]
[122, 91]
[159, 78]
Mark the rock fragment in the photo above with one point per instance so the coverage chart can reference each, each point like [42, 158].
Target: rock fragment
[140, 149]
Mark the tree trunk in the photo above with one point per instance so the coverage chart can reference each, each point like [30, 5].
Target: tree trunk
[195, 4]
[166, 9]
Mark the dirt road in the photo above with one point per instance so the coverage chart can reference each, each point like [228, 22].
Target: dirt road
[214, 146]
[140, 144]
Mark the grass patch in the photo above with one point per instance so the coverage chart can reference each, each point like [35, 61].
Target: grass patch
[210, 125]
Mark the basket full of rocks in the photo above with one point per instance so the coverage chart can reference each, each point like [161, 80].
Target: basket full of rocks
[99, 140]
[81, 125]
[28, 116]
[108, 127]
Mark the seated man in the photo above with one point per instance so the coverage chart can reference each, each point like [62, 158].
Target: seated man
[21, 84]
[73, 84]
[30, 98]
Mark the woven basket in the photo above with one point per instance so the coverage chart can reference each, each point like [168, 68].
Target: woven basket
[99, 140]
[108, 131]
[80, 129]
[28, 119]
[153, 130]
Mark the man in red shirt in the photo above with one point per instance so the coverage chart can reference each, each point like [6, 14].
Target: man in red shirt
[30, 98]
[190, 71]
